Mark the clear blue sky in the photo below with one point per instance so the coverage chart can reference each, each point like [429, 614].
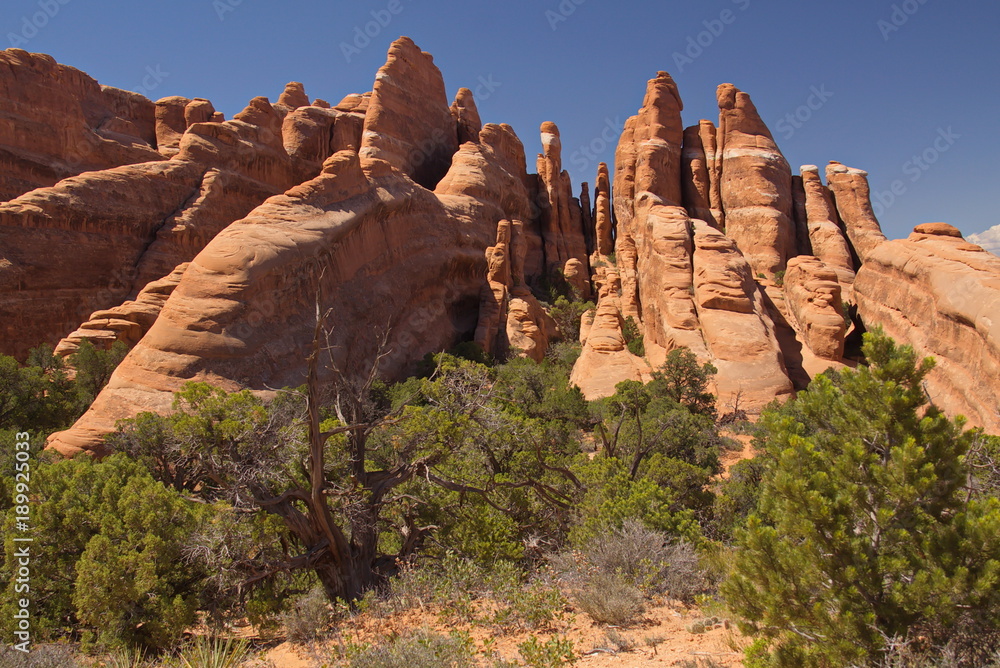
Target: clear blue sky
[887, 94]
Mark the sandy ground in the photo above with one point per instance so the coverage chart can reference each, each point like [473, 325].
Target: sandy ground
[661, 638]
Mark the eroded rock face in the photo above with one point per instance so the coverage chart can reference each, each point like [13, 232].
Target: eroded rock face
[826, 241]
[106, 234]
[702, 197]
[605, 361]
[756, 185]
[669, 316]
[941, 295]
[812, 290]
[408, 123]
[510, 317]
[853, 197]
[56, 122]
[127, 323]
[737, 330]
[602, 212]
[562, 223]
[339, 206]
[466, 116]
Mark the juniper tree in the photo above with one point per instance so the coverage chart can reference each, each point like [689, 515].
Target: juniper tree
[866, 529]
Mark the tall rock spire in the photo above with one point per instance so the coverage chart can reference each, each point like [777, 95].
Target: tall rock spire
[756, 185]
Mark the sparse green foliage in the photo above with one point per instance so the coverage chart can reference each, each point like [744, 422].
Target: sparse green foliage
[420, 649]
[307, 616]
[94, 368]
[610, 600]
[567, 315]
[633, 337]
[683, 380]
[553, 653]
[205, 652]
[107, 550]
[865, 530]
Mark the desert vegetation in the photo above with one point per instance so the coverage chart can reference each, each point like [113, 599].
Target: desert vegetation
[866, 531]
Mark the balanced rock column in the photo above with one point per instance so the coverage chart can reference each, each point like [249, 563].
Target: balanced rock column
[853, 196]
[647, 170]
[756, 185]
[698, 162]
[813, 294]
[602, 212]
[466, 115]
[562, 226]
[826, 240]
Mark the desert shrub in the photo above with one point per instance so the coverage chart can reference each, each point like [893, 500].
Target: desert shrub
[107, 554]
[612, 497]
[454, 584]
[420, 649]
[553, 653]
[307, 616]
[737, 497]
[865, 529]
[128, 657]
[205, 652]
[984, 464]
[567, 315]
[608, 599]
[564, 353]
[683, 380]
[94, 368]
[633, 337]
[969, 648]
[40, 656]
[37, 395]
[651, 561]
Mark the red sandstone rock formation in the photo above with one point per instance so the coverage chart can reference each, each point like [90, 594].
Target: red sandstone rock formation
[397, 188]
[825, 238]
[127, 323]
[408, 122]
[466, 115]
[941, 295]
[109, 233]
[812, 290]
[756, 185]
[242, 315]
[605, 245]
[700, 176]
[853, 197]
[561, 225]
[59, 122]
[510, 317]
[737, 330]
